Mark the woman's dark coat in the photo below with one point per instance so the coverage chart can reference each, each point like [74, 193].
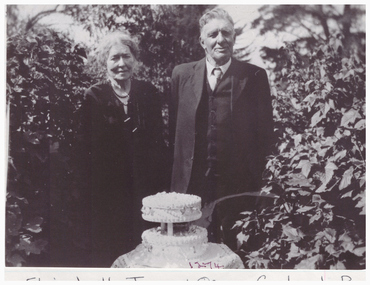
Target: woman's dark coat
[125, 160]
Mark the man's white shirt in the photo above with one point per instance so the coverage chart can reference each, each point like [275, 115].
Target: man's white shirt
[212, 80]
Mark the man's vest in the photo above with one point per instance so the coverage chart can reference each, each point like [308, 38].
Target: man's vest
[213, 141]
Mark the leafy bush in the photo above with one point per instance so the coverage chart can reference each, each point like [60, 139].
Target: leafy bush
[318, 172]
[45, 83]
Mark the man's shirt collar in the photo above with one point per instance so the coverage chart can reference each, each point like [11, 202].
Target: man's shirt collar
[223, 68]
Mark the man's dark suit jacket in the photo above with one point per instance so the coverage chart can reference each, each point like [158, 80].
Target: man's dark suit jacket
[252, 123]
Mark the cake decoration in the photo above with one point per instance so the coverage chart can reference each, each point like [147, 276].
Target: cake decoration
[177, 242]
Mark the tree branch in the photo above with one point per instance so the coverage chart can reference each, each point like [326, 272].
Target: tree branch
[31, 22]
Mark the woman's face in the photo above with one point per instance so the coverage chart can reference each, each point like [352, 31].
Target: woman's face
[120, 63]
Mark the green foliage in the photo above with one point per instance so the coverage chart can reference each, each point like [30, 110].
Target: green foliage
[318, 171]
[45, 84]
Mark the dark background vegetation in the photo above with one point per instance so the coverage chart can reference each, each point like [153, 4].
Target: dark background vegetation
[317, 170]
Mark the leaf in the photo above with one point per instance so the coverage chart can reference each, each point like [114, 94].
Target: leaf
[317, 199]
[304, 192]
[238, 224]
[361, 202]
[241, 238]
[331, 250]
[330, 234]
[297, 139]
[360, 251]
[322, 188]
[349, 117]
[360, 125]
[362, 180]
[339, 266]
[346, 242]
[282, 146]
[307, 86]
[292, 234]
[340, 155]
[295, 103]
[266, 189]
[34, 225]
[310, 99]
[305, 209]
[29, 246]
[287, 207]
[315, 217]
[298, 179]
[327, 108]
[16, 260]
[316, 118]
[348, 245]
[344, 237]
[322, 150]
[346, 178]
[293, 252]
[322, 72]
[246, 213]
[331, 104]
[329, 171]
[270, 224]
[320, 131]
[306, 168]
[328, 86]
[305, 165]
[329, 141]
[309, 263]
[347, 195]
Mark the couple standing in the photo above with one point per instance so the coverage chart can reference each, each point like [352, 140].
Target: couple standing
[221, 129]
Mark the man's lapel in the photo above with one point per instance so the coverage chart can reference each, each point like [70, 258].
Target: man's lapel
[198, 80]
[239, 80]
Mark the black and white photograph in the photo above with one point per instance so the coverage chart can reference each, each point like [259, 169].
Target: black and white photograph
[202, 137]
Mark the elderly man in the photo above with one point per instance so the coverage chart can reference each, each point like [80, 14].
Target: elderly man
[220, 124]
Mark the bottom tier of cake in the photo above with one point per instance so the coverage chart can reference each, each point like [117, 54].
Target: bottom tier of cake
[184, 244]
[215, 256]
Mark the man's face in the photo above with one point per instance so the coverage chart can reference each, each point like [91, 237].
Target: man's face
[218, 38]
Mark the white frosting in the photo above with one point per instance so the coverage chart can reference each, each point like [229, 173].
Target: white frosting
[171, 208]
[182, 245]
[215, 256]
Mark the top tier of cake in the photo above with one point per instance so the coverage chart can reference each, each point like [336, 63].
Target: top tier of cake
[171, 207]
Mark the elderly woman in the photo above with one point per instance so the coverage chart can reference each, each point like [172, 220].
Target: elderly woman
[122, 125]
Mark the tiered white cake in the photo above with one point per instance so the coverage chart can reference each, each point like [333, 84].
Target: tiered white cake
[176, 243]
[173, 238]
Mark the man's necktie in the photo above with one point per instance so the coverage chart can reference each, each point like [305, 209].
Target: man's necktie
[217, 72]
